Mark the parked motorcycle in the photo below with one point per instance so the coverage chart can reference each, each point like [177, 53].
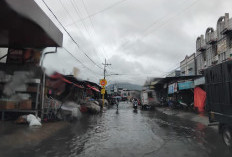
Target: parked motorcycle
[187, 106]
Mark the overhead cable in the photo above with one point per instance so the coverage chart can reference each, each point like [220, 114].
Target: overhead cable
[69, 34]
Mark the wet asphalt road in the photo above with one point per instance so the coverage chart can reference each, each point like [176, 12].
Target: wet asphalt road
[125, 133]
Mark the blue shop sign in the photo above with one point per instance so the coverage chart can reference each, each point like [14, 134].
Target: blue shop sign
[185, 85]
[172, 88]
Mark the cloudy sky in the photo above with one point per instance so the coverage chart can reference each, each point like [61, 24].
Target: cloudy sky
[139, 38]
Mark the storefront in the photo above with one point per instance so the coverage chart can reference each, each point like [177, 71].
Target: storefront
[25, 31]
[186, 92]
[172, 90]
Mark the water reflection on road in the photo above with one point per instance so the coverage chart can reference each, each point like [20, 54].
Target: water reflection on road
[125, 132]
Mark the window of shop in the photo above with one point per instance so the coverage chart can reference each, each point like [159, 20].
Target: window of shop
[150, 95]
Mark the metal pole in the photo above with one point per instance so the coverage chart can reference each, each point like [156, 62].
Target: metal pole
[105, 69]
[37, 98]
[43, 91]
[103, 95]
[43, 83]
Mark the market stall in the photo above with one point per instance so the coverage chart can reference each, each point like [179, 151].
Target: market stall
[25, 31]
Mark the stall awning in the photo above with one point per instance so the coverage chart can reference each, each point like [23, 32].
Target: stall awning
[25, 25]
[93, 88]
[61, 77]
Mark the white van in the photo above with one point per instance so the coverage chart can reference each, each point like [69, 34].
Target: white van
[148, 99]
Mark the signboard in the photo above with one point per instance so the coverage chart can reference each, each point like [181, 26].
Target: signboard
[199, 81]
[172, 88]
[103, 82]
[185, 85]
[103, 91]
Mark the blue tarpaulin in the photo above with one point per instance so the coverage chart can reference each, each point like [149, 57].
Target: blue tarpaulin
[185, 85]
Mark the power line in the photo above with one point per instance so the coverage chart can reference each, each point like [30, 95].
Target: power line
[78, 11]
[165, 22]
[101, 11]
[80, 61]
[169, 71]
[173, 17]
[193, 59]
[159, 19]
[93, 28]
[69, 34]
[209, 47]
[159, 26]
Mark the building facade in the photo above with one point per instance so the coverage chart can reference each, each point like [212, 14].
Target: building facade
[216, 46]
[200, 54]
[174, 73]
[187, 66]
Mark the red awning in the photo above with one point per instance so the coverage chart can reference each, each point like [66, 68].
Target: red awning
[55, 76]
[59, 76]
[93, 88]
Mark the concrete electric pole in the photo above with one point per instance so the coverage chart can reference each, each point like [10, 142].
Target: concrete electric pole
[105, 65]
[103, 86]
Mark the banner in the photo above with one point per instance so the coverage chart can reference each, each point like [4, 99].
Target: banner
[199, 81]
[185, 85]
[172, 88]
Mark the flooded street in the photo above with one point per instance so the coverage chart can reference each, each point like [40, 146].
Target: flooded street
[121, 78]
[124, 132]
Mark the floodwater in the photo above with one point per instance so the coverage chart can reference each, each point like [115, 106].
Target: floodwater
[125, 133]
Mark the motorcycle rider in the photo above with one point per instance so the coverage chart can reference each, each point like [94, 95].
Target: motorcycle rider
[135, 103]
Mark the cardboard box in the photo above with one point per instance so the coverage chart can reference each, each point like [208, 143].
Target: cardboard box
[32, 89]
[25, 105]
[21, 120]
[8, 104]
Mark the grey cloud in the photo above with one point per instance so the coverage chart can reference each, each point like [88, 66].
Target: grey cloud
[165, 46]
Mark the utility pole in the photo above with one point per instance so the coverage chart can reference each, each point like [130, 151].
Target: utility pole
[103, 95]
[105, 65]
